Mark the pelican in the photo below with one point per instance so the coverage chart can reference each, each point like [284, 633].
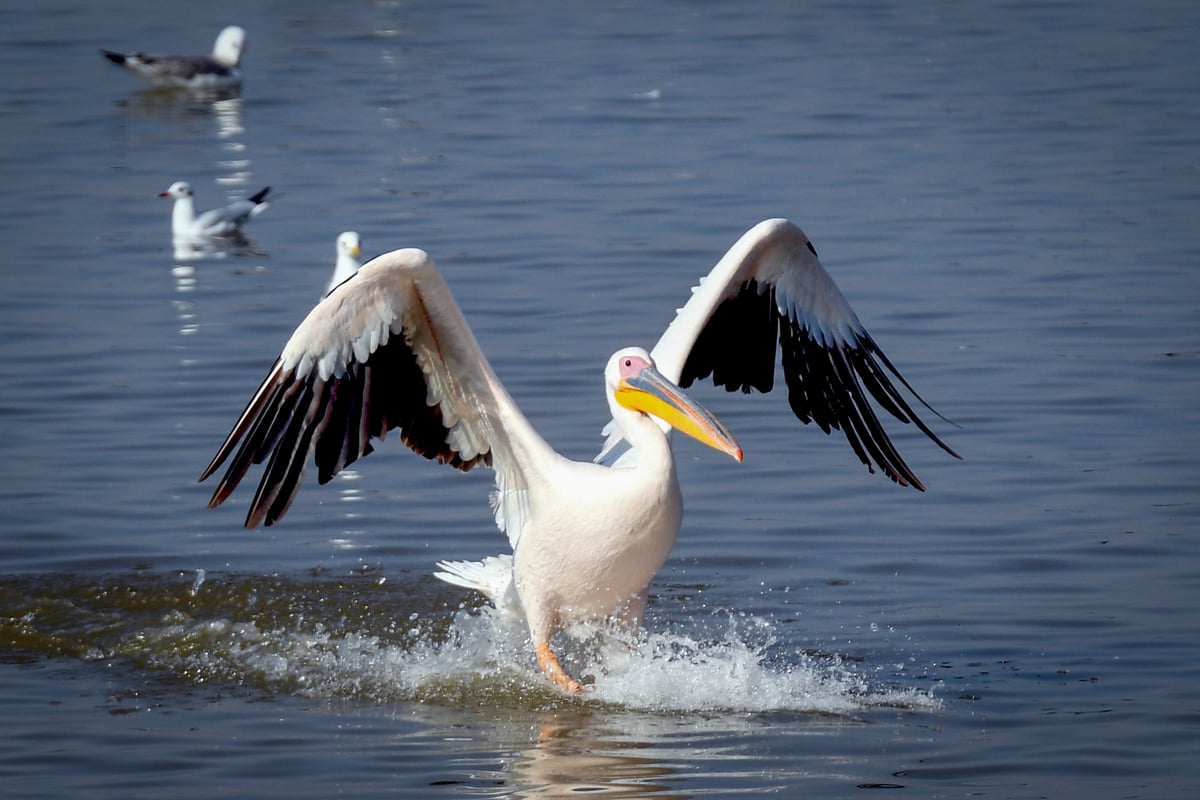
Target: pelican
[217, 72]
[391, 349]
[224, 221]
[348, 249]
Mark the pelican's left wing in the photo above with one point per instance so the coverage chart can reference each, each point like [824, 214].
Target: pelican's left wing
[768, 294]
[387, 349]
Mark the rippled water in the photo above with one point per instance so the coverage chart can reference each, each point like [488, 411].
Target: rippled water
[1007, 193]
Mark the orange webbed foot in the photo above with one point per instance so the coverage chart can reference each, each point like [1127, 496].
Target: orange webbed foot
[554, 671]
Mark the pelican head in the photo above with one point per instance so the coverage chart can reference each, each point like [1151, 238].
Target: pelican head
[637, 385]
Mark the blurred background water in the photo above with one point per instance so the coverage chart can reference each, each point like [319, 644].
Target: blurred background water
[1006, 192]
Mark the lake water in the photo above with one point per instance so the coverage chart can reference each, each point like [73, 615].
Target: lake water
[1008, 193]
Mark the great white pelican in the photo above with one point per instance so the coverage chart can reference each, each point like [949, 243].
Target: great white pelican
[389, 348]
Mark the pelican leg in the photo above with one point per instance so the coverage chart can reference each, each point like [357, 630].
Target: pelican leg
[554, 671]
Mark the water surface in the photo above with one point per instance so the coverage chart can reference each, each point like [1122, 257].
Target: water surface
[1006, 193]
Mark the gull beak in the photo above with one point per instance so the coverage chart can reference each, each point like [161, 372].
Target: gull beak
[650, 392]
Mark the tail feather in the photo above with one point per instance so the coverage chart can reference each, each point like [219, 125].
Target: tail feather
[492, 577]
[260, 202]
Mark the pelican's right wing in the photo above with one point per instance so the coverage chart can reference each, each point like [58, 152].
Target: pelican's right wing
[769, 304]
[389, 348]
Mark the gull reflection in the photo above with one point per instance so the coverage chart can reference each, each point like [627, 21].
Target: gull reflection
[185, 308]
[235, 163]
[207, 248]
[189, 109]
[228, 113]
[187, 250]
[179, 107]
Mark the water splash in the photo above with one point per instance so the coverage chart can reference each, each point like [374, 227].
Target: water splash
[486, 660]
[197, 582]
[382, 641]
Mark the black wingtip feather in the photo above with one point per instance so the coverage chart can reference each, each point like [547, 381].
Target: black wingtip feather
[826, 386]
[291, 419]
[288, 455]
[737, 346]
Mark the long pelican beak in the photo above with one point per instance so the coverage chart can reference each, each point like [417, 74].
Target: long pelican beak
[651, 393]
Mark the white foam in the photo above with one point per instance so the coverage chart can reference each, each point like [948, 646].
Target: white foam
[483, 658]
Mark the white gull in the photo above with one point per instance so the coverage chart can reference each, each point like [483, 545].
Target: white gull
[349, 249]
[216, 222]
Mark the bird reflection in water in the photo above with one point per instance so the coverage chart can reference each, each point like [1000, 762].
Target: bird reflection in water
[573, 759]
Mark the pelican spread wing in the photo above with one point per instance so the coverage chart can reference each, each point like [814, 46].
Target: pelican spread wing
[769, 298]
[388, 348]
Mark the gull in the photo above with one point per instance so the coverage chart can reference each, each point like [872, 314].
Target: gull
[349, 249]
[218, 72]
[225, 221]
